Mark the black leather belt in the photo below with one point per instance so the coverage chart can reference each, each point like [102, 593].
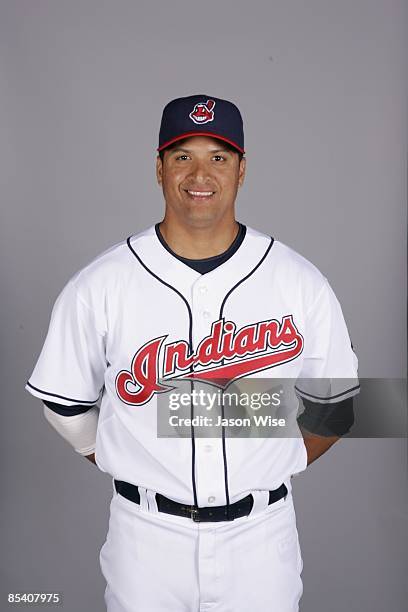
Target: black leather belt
[206, 514]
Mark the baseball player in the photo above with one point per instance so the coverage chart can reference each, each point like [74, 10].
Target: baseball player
[197, 523]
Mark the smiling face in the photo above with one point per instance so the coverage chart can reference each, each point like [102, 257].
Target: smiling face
[200, 178]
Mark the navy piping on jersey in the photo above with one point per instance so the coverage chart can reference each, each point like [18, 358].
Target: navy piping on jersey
[317, 397]
[190, 341]
[70, 399]
[222, 404]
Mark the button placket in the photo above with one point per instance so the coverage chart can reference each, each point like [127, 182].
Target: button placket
[208, 451]
[203, 310]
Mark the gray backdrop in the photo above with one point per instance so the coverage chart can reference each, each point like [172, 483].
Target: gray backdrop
[322, 87]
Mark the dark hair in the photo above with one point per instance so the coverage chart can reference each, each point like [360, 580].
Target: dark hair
[227, 146]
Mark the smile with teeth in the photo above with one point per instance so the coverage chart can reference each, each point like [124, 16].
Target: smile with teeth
[200, 194]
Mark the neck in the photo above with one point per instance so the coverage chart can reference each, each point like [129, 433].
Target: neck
[199, 242]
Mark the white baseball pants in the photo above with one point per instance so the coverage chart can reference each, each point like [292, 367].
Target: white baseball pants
[156, 562]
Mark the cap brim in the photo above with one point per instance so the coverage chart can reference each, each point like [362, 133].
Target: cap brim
[211, 134]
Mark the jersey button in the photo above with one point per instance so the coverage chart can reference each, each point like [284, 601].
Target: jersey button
[203, 289]
[211, 499]
[208, 448]
[206, 314]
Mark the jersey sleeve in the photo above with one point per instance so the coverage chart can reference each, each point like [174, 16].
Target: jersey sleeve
[329, 370]
[71, 366]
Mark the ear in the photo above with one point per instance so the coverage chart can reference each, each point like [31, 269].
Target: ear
[242, 169]
[159, 170]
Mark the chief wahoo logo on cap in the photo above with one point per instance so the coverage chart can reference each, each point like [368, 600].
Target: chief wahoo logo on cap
[203, 113]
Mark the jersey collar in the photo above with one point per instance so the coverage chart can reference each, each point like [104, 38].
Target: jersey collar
[168, 269]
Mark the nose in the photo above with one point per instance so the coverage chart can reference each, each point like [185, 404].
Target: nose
[199, 171]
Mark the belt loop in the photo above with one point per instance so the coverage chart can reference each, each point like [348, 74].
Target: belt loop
[144, 504]
[151, 501]
[113, 486]
[261, 499]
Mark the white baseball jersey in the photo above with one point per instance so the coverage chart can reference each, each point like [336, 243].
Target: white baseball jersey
[137, 317]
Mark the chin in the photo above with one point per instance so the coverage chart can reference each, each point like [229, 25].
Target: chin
[200, 218]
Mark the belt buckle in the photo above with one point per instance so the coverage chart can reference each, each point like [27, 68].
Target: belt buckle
[195, 514]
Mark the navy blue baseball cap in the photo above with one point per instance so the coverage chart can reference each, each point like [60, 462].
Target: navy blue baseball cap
[201, 115]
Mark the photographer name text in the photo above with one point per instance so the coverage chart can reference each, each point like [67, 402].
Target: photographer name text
[207, 421]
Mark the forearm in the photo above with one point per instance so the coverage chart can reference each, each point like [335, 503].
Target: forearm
[316, 445]
[78, 430]
[91, 458]
[322, 425]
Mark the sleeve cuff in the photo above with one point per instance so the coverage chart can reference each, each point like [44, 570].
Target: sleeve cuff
[57, 398]
[331, 399]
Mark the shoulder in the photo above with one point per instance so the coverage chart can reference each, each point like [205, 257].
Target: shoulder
[285, 261]
[111, 266]
[297, 263]
[94, 285]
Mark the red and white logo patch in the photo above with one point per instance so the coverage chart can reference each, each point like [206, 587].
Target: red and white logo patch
[203, 113]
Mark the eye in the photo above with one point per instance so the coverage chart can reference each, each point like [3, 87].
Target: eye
[219, 157]
[182, 156]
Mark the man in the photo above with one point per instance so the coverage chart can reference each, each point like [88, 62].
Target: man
[197, 523]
